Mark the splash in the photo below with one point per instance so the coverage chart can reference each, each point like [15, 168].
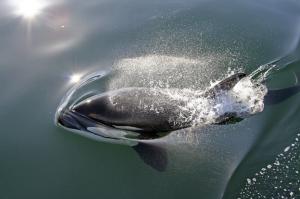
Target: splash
[279, 179]
[246, 98]
[162, 71]
[185, 79]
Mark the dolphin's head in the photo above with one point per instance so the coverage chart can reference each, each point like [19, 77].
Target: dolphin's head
[75, 116]
[78, 123]
[71, 120]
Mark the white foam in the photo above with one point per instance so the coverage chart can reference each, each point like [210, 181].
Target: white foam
[245, 99]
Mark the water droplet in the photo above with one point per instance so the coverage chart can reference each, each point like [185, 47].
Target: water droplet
[287, 149]
[277, 163]
[269, 166]
[249, 181]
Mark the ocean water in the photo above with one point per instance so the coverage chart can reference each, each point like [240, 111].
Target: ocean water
[47, 46]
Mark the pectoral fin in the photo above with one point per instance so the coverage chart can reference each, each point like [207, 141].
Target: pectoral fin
[154, 156]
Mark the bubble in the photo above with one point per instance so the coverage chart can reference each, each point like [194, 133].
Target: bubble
[279, 181]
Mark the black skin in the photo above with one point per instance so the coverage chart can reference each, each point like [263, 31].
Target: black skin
[123, 108]
[127, 109]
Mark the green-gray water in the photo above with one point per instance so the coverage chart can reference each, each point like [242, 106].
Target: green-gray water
[185, 44]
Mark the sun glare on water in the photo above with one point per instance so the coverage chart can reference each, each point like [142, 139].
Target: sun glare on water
[28, 9]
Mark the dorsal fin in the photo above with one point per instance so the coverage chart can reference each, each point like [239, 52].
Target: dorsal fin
[229, 82]
[226, 84]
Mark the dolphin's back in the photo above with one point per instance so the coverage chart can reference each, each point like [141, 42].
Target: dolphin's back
[146, 109]
[142, 108]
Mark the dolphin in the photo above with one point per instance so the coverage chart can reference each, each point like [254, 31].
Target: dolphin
[135, 116]
[146, 111]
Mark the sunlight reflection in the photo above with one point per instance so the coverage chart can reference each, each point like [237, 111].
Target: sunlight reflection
[75, 78]
[28, 9]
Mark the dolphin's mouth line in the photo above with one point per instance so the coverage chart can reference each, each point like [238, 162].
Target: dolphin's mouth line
[75, 116]
[82, 122]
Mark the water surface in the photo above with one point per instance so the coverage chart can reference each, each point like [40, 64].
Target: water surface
[146, 44]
